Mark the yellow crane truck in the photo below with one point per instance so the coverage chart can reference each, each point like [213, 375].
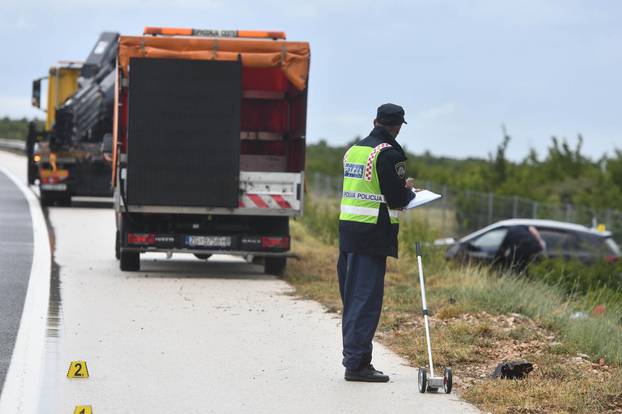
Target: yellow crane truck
[62, 82]
[70, 157]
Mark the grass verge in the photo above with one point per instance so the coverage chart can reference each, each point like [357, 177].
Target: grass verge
[478, 320]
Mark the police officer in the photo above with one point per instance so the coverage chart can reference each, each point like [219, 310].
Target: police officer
[374, 189]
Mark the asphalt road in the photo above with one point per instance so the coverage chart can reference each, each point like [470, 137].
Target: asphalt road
[16, 250]
[183, 335]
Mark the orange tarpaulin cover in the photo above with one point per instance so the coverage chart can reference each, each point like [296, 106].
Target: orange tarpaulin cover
[291, 57]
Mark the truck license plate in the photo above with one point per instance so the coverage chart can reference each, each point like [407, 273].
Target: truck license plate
[54, 187]
[208, 241]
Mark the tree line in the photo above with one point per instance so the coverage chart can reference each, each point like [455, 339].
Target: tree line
[16, 128]
[563, 174]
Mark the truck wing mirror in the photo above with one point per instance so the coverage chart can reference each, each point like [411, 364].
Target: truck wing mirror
[36, 93]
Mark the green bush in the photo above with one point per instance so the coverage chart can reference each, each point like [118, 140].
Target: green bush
[577, 277]
[321, 217]
[480, 288]
[16, 128]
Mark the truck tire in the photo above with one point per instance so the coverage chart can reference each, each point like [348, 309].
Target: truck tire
[275, 265]
[117, 245]
[130, 261]
[45, 198]
[65, 200]
[32, 172]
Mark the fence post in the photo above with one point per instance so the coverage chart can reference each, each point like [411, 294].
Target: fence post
[316, 181]
[534, 210]
[608, 219]
[515, 207]
[326, 185]
[568, 211]
[490, 207]
[444, 213]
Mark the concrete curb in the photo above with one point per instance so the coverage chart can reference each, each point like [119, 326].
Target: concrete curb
[21, 390]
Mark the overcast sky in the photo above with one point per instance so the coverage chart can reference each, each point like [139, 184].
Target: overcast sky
[460, 68]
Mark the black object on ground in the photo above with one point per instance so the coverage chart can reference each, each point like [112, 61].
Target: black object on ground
[512, 370]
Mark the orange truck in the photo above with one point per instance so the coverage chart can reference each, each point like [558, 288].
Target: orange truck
[209, 137]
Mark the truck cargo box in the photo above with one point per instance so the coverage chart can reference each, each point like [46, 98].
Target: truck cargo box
[210, 138]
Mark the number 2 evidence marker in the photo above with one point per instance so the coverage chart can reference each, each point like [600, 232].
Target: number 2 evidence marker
[78, 369]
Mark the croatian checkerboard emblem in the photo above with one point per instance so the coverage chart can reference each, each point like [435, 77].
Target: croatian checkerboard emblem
[400, 169]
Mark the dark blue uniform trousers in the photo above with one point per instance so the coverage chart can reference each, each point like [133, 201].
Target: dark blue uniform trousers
[361, 284]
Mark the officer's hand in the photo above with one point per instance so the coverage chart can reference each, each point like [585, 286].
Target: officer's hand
[410, 182]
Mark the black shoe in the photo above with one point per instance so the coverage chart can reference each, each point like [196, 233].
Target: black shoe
[367, 374]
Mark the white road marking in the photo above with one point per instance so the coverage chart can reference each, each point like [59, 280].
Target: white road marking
[21, 390]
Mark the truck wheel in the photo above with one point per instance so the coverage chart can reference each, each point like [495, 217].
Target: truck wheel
[275, 265]
[45, 198]
[65, 200]
[117, 246]
[130, 261]
[202, 256]
[32, 173]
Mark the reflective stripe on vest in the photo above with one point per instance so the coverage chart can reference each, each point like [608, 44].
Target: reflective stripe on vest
[367, 211]
[361, 198]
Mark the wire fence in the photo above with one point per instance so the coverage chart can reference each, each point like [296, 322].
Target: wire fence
[460, 212]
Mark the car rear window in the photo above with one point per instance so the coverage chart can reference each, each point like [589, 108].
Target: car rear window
[597, 245]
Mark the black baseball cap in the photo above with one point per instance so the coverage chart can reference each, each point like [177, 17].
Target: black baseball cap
[390, 114]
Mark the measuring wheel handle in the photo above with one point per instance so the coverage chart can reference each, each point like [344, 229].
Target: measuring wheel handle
[422, 380]
[447, 380]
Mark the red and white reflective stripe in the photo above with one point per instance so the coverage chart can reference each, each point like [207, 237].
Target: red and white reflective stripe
[369, 167]
[257, 200]
[264, 201]
[281, 201]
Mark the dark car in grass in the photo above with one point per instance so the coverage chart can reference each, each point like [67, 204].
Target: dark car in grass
[516, 242]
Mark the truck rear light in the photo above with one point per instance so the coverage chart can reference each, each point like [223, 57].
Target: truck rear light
[50, 180]
[147, 239]
[47, 176]
[275, 242]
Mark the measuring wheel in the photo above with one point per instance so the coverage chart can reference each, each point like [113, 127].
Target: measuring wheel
[447, 380]
[422, 380]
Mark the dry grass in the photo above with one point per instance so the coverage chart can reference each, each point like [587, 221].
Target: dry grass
[474, 327]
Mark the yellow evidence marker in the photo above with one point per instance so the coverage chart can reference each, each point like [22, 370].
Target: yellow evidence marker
[83, 409]
[78, 369]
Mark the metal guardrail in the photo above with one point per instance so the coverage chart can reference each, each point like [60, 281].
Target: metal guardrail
[12, 144]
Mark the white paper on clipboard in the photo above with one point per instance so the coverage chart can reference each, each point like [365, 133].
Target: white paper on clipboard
[422, 197]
